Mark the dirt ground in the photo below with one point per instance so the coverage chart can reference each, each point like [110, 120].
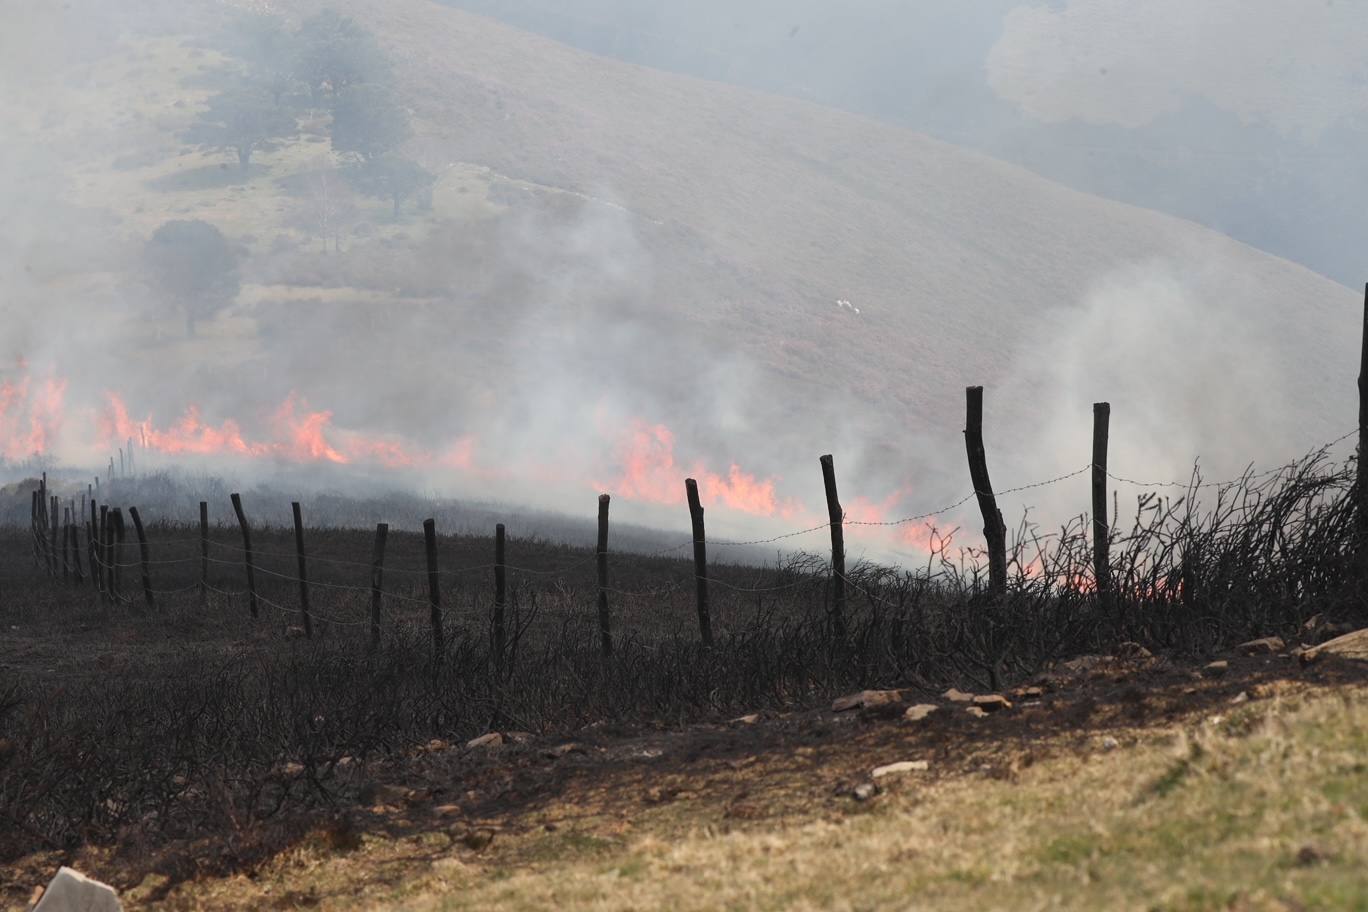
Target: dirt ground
[534, 817]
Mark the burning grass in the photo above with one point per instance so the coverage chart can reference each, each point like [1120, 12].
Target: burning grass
[139, 730]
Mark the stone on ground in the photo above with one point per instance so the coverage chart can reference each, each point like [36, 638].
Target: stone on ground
[1349, 646]
[903, 766]
[955, 695]
[921, 712]
[72, 891]
[1262, 646]
[493, 739]
[866, 699]
[992, 702]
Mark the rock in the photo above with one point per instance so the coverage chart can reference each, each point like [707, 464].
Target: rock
[1261, 646]
[864, 791]
[448, 810]
[436, 745]
[1241, 697]
[866, 699]
[904, 766]
[1132, 651]
[921, 712]
[294, 633]
[751, 719]
[292, 769]
[1084, 664]
[493, 739]
[1110, 743]
[1216, 669]
[954, 695]
[560, 750]
[976, 711]
[1033, 692]
[517, 737]
[71, 890]
[992, 702]
[1349, 646]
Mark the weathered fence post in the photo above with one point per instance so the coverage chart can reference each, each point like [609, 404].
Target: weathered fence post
[500, 596]
[601, 555]
[120, 538]
[838, 570]
[434, 589]
[700, 549]
[204, 553]
[247, 552]
[1101, 525]
[303, 570]
[144, 557]
[994, 529]
[1362, 477]
[377, 580]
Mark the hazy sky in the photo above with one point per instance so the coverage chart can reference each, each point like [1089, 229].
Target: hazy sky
[1245, 115]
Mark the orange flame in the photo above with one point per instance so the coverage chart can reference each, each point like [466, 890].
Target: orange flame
[30, 416]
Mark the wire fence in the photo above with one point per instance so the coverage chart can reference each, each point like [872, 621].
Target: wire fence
[105, 556]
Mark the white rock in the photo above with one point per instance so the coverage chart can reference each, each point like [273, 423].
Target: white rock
[72, 891]
[904, 766]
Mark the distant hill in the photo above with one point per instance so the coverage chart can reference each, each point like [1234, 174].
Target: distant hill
[613, 251]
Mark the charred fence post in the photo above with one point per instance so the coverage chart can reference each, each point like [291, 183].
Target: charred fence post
[434, 590]
[93, 546]
[204, 553]
[247, 552]
[601, 557]
[994, 529]
[1361, 479]
[377, 581]
[838, 569]
[144, 558]
[500, 596]
[120, 537]
[700, 549]
[303, 570]
[1101, 525]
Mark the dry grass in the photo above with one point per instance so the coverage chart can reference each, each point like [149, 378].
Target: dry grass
[1260, 807]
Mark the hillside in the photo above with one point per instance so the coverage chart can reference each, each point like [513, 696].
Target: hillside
[610, 244]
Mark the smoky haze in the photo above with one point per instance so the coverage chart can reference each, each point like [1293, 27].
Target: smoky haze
[460, 259]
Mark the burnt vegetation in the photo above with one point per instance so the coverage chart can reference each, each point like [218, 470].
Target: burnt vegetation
[138, 728]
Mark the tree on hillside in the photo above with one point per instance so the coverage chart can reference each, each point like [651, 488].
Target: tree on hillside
[243, 121]
[327, 204]
[193, 267]
[369, 121]
[393, 178]
[334, 53]
[269, 50]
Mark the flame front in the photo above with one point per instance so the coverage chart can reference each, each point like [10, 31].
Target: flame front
[30, 416]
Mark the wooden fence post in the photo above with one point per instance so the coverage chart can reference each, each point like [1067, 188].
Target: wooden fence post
[120, 538]
[247, 552]
[144, 557]
[700, 561]
[204, 553]
[601, 555]
[838, 570]
[500, 596]
[303, 570]
[994, 529]
[1362, 476]
[434, 589]
[1101, 525]
[377, 580]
